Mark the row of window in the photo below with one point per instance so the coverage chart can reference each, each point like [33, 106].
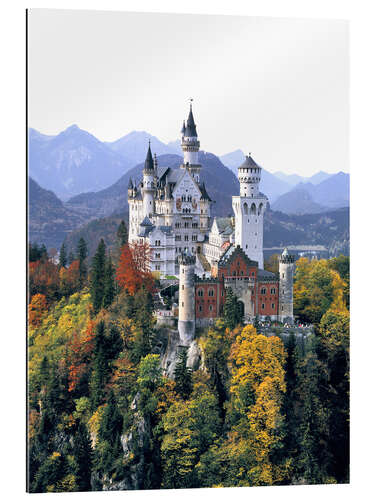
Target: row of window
[263, 291]
[186, 237]
[186, 225]
[210, 293]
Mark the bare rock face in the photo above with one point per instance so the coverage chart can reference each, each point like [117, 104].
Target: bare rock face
[194, 356]
[169, 358]
[170, 355]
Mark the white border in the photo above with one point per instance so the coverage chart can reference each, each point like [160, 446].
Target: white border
[360, 13]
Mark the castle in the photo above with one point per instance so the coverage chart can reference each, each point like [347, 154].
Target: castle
[169, 209]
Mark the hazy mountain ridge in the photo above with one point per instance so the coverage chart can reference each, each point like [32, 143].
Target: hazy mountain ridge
[73, 162]
[331, 193]
[134, 146]
[49, 220]
[294, 179]
[220, 183]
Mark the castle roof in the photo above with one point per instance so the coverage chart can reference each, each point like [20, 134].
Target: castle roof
[146, 222]
[264, 275]
[204, 193]
[232, 252]
[149, 162]
[165, 229]
[130, 183]
[183, 130]
[249, 162]
[224, 225]
[191, 130]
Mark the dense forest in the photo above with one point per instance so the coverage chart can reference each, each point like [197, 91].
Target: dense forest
[259, 410]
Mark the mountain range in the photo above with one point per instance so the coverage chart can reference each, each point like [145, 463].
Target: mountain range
[220, 182]
[49, 220]
[75, 161]
[91, 177]
[333, 192]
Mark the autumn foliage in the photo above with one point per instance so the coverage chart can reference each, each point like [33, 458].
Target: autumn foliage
[37, 307]
[133, 269]
[80, 351]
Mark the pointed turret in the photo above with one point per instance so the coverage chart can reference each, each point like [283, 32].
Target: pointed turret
[149, 162]
[190, 145]
[130, 183]
[183, 129]
[149, 184]
[191, 130]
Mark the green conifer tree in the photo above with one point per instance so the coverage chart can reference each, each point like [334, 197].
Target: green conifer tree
[98, 277]
[82, 255]
[109, 284]
[82, 453]
[71, 258]
[183, 375]
[63, 258]
[122, 234]
[232, 310]
[99, 366]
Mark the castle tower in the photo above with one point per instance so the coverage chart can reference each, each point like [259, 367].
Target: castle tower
[286, 272]
[149, 185]
[186, 301]
[249, 210]
[190, 145]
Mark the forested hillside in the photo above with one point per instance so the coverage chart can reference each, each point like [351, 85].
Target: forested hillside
[254, 409]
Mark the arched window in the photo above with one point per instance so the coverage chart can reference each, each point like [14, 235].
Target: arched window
[211, 292]
[263, 291]
[260, 209]
[200, 292]
[245, 208]
[253, 209]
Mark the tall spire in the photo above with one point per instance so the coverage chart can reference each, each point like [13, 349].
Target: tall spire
[191, 130]
[183, 130]
[149, 162]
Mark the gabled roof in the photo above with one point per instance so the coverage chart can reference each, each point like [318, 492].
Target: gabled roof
[232, 253]
[175, 175]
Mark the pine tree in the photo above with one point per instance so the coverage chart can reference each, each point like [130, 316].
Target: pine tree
[313, 429]
[82, 453]
[122, 234]
[99, 366]
[82, 254]
[109, 284]
[71, 257]
[232, 310]
[183, 375]
[98, 277]
[63, 258]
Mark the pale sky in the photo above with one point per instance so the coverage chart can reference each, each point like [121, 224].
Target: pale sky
[275, 87]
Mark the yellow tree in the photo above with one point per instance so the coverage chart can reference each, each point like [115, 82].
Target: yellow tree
[257, 385]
